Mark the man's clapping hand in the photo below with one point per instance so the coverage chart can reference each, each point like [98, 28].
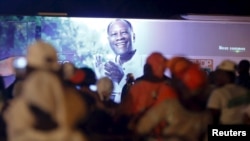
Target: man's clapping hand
[114, 71]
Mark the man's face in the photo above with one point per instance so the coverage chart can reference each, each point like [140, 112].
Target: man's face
[120, 37]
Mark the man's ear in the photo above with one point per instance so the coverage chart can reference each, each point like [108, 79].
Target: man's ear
[108, 37]
[133, 37]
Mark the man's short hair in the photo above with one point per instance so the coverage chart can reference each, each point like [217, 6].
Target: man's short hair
[126, 21]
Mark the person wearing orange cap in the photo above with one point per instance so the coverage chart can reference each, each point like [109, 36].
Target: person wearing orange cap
[182, 121]
[190, 81]
[148, 91]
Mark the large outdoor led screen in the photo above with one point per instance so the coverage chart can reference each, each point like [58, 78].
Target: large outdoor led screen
[87, 42]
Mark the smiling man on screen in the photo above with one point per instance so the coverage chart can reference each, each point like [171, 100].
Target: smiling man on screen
[121, 38]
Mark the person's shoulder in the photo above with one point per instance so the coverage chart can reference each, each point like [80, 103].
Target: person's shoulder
[140, 82]
[218, 90]
[234, 87]
[218, 93]
[167, 87]
[242, 89]
[135, 57]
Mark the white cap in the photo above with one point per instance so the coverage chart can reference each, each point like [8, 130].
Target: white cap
[227, 65]
[42, 55]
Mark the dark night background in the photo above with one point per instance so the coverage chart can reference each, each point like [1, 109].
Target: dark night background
[125, 8]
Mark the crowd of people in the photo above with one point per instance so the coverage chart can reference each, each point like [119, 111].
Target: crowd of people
[54, 102]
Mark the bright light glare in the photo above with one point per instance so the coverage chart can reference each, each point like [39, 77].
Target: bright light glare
[20, 63]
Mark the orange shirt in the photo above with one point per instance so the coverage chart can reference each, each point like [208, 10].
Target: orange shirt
[145, 94]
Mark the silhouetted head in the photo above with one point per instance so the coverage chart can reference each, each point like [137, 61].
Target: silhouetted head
[90, 77]
[225, 73]
[243, 67]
